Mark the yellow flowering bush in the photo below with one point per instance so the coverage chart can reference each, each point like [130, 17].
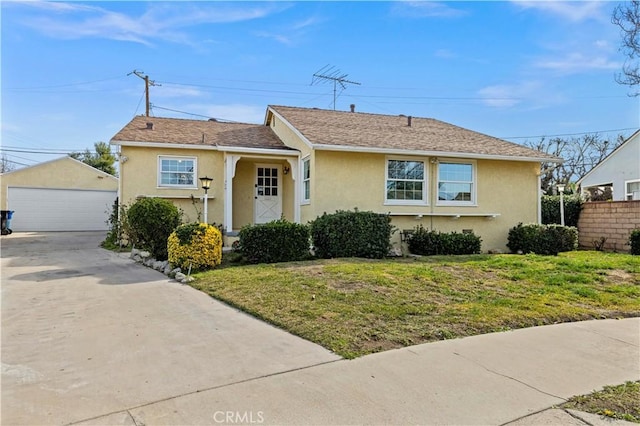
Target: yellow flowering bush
[195, 244]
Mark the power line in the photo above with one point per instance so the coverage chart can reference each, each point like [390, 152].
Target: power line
[16, 162]
[194, 114]
[35, 151]
[147, 83]
[569, 134]
[57, 86]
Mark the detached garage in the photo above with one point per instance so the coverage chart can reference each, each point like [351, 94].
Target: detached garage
[59, 195]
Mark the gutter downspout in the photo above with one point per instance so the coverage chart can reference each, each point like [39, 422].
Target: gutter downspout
[538, 192]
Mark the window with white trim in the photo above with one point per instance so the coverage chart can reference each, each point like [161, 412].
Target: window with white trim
[179, 172]
[632, 190]
[456, 183]
[306, 179]
[405, 182]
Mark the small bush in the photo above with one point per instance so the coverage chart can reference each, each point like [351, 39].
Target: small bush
[550, 207]
[542, 239]
[277, 241]
[151, 221]
[634, 241]
[425, 242]
[352, 234]
[195, 245]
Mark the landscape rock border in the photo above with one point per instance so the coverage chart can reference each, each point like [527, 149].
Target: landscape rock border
[145, 258]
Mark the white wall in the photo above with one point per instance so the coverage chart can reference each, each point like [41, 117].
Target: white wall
[621, 166]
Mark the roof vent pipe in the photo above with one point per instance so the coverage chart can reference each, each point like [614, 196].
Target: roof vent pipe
[409, 121]
[149, 125]
[353, 107]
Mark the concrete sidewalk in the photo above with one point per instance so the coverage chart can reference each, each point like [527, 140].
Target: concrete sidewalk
[502, 378]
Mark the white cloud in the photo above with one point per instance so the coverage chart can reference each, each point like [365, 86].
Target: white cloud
[291, 34]
[509, 95]
[165, 21]
[575, 11]
[426, 9]
[172, 91]
[445, 54]
[577, 62]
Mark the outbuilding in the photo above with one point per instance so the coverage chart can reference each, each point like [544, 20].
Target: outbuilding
[58, 195]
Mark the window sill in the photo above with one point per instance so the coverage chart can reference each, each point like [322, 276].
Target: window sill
[451, 215]
[177, 197]
[454, 204]
[405, 203]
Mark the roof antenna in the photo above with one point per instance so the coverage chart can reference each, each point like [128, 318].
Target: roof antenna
[331, 73]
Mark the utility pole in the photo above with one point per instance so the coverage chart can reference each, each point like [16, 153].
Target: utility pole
[330, 73]
[147, 83]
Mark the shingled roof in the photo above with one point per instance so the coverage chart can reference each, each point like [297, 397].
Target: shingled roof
[339, 130]
[197, 132]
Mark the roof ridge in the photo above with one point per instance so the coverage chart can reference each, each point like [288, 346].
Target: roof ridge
[211, 120]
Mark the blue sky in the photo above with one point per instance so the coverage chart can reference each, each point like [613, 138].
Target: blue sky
[511, 69]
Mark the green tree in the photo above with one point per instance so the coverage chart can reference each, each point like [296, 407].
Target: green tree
[102, 159]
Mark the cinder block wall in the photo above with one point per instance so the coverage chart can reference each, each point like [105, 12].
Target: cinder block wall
[613, 220]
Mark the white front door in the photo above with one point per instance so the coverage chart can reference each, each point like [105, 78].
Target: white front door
[268, 194]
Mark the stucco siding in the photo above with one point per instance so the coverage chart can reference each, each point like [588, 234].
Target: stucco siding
[508, 190]
[139, 175]
[64, 173]
[288, 136]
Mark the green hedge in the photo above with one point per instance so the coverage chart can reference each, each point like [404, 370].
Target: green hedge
[150, 222]
[634, 240]
[277, 241]
[542, 239]
[425, 242]
[551, 209]
[352, 234]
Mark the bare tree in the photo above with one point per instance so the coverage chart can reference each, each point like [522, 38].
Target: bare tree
[580, 156]
[6, 165]
[627, 17]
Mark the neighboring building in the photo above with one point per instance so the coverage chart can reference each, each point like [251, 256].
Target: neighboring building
[618, 174]
[304, 161]
[58, 195]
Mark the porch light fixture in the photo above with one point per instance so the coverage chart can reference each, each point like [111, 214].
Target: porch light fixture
[285, 170]
[206, 184]
[561, 191]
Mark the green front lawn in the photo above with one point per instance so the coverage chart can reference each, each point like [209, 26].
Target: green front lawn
[358, 306]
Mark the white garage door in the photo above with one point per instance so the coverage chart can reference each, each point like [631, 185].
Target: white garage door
[44, 209]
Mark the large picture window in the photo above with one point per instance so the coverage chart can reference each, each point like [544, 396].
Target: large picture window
[177, 172]
[456, 183]
[406, 182]
[306, 180]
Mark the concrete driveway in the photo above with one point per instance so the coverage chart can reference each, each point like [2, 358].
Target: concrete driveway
[88, 333]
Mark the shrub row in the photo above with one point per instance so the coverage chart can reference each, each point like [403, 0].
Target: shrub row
[542, 239]
[352, 234]
[150, 222]
[550, 206]
[634, 240]
[425, 242]
[195, 246]
[277, 241]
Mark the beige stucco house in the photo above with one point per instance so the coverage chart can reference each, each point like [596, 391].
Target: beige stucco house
[58, 195]
[303, 162]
